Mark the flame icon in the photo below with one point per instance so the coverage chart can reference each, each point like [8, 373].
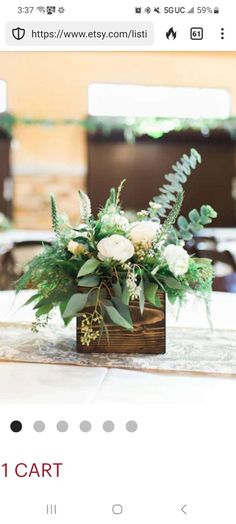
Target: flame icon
[171, 34]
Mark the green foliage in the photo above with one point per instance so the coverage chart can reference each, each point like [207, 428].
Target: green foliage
[5, 223]
[122, 309]
[196, 221]
[76, 304]
[88, 267]
[141, 296]
[50, 275]
[126, 295]
[119, 191]
[182, 170]
[151, 294]
[154, 127]
[55, 216]
[89, 281]
[112, 204]
[117, 318]
[117, 289]
[172, 217]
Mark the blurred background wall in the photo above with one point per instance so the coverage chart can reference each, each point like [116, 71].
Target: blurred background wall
[44, 85]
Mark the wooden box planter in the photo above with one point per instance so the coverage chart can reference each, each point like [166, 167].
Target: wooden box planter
[147, 337]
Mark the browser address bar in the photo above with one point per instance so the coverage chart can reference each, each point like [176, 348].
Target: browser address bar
[80, 33]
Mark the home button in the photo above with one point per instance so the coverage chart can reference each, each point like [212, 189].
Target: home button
[117, 509]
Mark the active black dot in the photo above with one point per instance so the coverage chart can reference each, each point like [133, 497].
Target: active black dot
[16, 426]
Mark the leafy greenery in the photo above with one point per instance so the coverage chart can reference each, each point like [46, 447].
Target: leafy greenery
[98, 270]
[55, 216]
[196, 221]
[88, 267]
[169, 192]
[5, 223]
[172, 217]
[155, 127]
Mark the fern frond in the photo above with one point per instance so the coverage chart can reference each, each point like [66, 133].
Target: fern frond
[181, 171]
[55, 216]
[85, 207]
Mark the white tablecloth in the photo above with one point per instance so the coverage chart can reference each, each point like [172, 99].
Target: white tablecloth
[33, 383]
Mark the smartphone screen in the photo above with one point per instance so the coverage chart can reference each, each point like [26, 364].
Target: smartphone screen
[117, 262]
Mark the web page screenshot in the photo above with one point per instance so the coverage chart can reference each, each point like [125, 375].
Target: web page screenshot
[117, 262]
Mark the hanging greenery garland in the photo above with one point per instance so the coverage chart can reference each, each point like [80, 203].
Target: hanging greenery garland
[130, 127]
[8, 121]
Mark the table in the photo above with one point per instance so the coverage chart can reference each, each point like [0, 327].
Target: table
[44, 384]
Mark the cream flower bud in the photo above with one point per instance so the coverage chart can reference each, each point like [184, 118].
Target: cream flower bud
[75, 248]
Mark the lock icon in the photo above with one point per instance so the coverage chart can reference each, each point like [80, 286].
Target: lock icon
[216, 10]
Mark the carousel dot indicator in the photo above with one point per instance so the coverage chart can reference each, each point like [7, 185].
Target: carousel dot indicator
[62, 426]
[16, 426]
[131, 426]
[85, 426]
[108, 426]
[39, 426]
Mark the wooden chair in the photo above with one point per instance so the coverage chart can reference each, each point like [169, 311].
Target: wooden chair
[6, 268]
[23, 252]
[201, 242]
[226, 284]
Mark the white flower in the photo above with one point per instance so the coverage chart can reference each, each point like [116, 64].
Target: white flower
[115, 220]
[116, 247]
[144, 233]
[177, 259]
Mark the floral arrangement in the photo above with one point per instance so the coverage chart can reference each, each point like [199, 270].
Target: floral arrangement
[95, 270]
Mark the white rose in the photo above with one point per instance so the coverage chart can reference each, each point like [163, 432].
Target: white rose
[177, 259]
[115, 219]
[116, 247]
[144, 232]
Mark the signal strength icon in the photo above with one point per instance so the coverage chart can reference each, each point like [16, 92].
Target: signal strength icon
[191, 10]
[41, 9]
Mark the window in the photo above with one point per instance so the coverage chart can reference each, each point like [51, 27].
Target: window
[3, 96]
[153, 101]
